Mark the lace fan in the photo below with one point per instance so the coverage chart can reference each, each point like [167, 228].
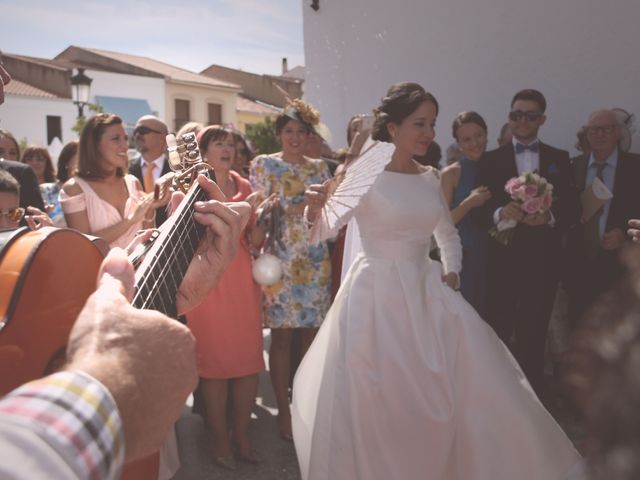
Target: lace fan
[346, 190]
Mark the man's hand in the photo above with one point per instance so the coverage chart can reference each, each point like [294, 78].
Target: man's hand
[225, 222]
[634, 231]
[613, 239]
[145, 359]
[537, 219]
[511, 211]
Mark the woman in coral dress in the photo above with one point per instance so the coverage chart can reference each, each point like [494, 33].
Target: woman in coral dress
[228, 324]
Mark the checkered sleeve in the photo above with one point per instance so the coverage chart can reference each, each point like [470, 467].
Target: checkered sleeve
[75, 415]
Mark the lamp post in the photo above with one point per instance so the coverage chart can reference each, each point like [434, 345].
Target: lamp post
[80, 86]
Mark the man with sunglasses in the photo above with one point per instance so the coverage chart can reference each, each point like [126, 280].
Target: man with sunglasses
[595, 243]
[149, 136]
[523, 275]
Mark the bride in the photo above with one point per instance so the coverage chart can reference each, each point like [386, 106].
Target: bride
[404, 380]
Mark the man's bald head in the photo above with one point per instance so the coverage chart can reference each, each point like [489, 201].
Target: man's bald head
[149, 135]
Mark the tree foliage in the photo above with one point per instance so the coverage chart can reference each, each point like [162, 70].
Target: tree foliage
[263, 137]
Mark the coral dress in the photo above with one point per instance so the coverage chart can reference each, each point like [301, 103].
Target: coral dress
[228, 324]
[404, 380]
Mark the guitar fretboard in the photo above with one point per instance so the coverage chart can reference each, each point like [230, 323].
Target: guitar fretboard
[160, 274]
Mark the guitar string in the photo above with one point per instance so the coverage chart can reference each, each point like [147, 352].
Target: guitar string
[181, 229]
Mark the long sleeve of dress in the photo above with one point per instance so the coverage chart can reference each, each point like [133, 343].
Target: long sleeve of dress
[448, 240]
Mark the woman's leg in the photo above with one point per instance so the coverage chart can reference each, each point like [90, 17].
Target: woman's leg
[214, 393]
[279, 365]
[243, 396]
[306, 339]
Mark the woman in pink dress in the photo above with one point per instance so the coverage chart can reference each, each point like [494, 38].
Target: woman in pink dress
[228, 324]
[102, 200]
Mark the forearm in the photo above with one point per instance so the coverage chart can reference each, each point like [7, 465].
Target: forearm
[461, 211]
[112, 233]
[71, 419]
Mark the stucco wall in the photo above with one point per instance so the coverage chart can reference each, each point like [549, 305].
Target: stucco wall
[199, 98]
[474, 55]
[26, 117]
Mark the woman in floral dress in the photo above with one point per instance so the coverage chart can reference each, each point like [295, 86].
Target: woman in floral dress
[301, 298]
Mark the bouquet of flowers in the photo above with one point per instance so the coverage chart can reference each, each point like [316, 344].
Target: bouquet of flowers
[533, 193]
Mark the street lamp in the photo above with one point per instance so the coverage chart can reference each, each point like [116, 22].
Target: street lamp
[80, 85]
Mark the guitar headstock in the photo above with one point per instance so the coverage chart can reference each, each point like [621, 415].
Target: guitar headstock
[185, 160]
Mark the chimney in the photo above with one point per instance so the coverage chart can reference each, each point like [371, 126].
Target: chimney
[285, 68]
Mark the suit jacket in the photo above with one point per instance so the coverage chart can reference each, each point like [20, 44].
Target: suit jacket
[135, 168]
[26, 177]
[625, 203]
[498, 166]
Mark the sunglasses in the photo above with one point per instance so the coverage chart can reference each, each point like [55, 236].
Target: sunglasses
[142, 130]
[529, 116]
[13, 214]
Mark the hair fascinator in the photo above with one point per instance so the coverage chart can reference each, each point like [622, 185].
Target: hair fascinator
[303, 112]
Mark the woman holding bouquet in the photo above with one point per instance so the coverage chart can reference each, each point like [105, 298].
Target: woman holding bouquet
[458, 182]
[404, 380]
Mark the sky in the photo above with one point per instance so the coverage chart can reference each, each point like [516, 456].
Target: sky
[252, 35]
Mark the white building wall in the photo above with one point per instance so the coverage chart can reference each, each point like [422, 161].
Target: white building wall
[129, 86]
[26, 117]
[474, 55]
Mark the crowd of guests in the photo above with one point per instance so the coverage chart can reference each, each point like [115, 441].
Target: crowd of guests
[96, 189]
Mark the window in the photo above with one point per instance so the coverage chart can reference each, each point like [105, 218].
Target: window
[54, 128]
[215, 114]
[182, 108]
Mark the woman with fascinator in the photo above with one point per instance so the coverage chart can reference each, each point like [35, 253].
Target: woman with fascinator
[404, 380]
[301, 298]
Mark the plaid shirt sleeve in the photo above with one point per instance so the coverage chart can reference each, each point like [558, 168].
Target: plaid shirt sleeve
[76, 416]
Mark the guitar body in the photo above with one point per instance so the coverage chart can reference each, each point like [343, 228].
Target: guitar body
[46, 277]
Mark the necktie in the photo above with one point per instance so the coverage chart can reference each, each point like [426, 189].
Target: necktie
[149, 181]
[521, 147]
[592, 227]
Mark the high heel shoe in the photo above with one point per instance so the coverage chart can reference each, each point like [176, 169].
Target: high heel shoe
[227, 462]
[253, 457]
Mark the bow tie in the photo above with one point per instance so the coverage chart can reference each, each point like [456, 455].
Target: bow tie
[521, 147]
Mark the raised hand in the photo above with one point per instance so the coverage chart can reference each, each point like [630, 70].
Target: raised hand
[511, 211]
[478, 196]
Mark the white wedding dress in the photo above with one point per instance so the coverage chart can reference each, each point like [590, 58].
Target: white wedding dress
[404, 380]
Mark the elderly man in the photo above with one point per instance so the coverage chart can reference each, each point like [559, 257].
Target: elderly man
[595, 242]
[150, 138]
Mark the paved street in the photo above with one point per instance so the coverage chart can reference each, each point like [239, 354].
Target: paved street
[195, 444]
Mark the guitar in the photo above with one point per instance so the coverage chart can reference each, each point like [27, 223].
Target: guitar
[47, 275]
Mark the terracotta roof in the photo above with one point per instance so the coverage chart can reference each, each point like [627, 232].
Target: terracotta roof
[251, 106]
[168, 71]
[62, 65]
[16, 87]
[295, 73]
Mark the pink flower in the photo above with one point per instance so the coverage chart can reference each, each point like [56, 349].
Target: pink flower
[532, 205]
[512, 185]
[531, 190]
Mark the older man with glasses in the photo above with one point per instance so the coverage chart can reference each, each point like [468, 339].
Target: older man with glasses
[523, 275]
[149, 136]
[595, 243]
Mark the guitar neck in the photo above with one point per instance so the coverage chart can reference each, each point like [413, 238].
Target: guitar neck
[160, 274]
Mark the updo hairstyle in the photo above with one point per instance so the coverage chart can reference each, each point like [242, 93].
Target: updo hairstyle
[401, 101]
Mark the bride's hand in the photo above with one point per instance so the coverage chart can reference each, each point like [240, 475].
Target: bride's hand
[315, 198]
[452, 280]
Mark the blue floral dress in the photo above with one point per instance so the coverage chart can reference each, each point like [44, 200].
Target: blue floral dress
[303, 295]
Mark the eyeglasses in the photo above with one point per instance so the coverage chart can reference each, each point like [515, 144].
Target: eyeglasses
[143, 130]
[13, 214]
[601, 129]
[530, 116]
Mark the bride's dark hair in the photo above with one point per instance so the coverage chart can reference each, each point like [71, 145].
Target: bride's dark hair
[401, 100]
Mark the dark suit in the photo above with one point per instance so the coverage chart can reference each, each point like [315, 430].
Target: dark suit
[135, 168]
[26, 177]
[590, 276]
[523, 276]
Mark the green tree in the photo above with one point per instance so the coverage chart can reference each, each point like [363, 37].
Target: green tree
[263, 137]
[80, 121]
